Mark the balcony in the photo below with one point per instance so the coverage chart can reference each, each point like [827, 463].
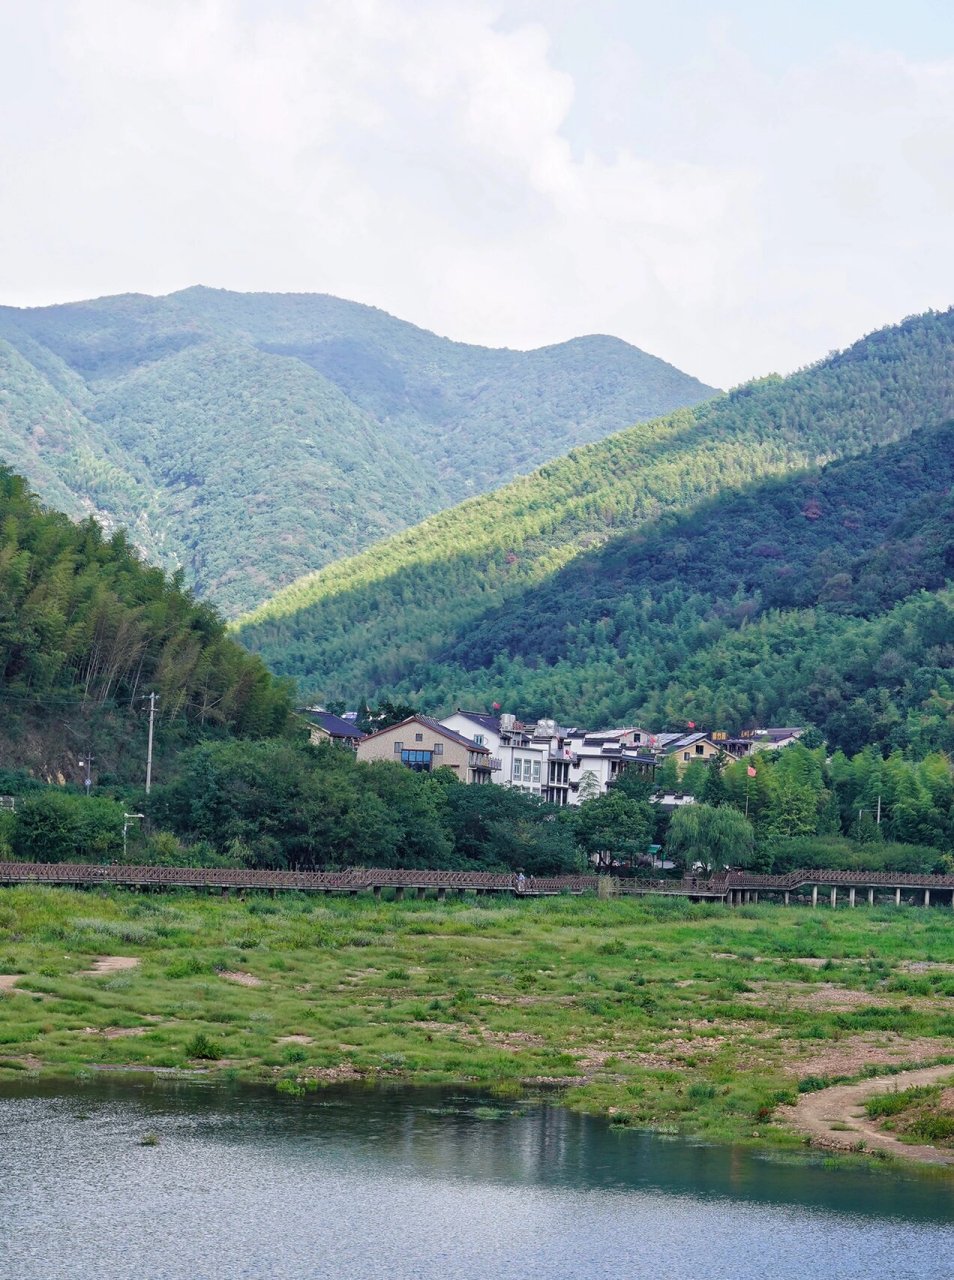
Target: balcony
[488, 764]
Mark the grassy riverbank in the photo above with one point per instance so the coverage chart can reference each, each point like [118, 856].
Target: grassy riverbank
[688, 1018]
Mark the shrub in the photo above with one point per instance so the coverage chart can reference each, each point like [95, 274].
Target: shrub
[202, 1047]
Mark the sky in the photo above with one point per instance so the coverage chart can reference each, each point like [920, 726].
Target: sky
[737, 187]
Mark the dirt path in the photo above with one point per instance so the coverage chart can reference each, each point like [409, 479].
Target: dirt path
[111, 964]
[843, 1104]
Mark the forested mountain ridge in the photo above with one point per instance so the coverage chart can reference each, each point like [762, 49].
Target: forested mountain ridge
[249, 438]
[399, 618]
[819, 598]
[87, 630]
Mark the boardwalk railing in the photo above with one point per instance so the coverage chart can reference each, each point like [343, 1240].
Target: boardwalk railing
[731, 886]
[350, 880]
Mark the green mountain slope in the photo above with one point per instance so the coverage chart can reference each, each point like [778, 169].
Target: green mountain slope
[777, 604]
[249, 438]
[86, 630]
[408, 616]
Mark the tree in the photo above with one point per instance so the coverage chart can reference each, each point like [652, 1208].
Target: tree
[496, 827]
[667, 775]
[384, 715]
[694, 778]
[812, 738]
[633, 783]
[613, 828]
[58, 826]
[710, 838]
[589, 786]
[713, 792]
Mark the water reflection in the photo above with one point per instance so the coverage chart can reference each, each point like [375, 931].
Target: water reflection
[397, 1183]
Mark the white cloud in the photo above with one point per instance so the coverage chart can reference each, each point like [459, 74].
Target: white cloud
[429, 159]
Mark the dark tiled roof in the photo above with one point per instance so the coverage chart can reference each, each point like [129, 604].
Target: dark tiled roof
[335, 725]
[442, 731]
[485, 721]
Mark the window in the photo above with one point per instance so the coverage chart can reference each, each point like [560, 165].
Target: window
[398, 748]
[418, 737]
[438, 748]
[685, 755]
[517, 768]
[419, 761]
[700, 749]
[479, 739]
[536, 771]
[527, 766]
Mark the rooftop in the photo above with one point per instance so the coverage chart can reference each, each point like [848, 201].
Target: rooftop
[485, 721]
[334, 725]
[435, 726]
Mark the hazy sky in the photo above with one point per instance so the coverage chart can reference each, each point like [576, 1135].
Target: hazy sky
[738, 186]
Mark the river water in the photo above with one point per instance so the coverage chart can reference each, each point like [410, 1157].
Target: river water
[380, 1184]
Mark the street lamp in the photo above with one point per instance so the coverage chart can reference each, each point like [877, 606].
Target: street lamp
[127, 818]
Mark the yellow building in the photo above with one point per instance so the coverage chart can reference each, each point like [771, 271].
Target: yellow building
[687, 747]
[422, 744]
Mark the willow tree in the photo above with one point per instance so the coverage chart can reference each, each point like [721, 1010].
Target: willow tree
[712, 839]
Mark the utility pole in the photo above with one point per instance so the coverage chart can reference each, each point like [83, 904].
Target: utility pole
[878, 819]
[152, 716]
[88, 780]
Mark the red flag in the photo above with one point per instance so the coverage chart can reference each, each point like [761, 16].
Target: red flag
[495, 706]
[692, 724]
[750, 771]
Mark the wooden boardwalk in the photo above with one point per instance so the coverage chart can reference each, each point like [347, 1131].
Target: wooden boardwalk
[733, 887]
[350, 880]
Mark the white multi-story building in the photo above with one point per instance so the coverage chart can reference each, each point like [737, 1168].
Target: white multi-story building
[568, 766]
[519, 760]
[563, 766]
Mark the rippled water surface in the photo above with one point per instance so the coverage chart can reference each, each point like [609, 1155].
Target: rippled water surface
[414, 1185]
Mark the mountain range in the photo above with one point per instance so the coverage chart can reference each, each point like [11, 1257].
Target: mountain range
[246, 439]
[720, 564]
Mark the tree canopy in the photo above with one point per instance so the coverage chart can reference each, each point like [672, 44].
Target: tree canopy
[83, 620]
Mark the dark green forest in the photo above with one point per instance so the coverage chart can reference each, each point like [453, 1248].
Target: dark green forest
[250, 438]
[782, 603]
[700, 567]
[87, 630]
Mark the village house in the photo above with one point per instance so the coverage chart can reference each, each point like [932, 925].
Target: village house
[423, 744]
[520, 756]
[751, 740]
[563, 766]
[325, 727]
[687, 747]
[599, 757]
[567, 766]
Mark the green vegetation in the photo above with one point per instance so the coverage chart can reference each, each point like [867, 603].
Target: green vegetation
[86, 630]
[644, 576]
[805, 809]
[275, 804]
[924, 1113]
[710, 837]
[682, 1017]
[250, 438]
[281, 803]
[278, 803]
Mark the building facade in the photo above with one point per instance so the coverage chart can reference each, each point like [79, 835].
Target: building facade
[423, 744]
